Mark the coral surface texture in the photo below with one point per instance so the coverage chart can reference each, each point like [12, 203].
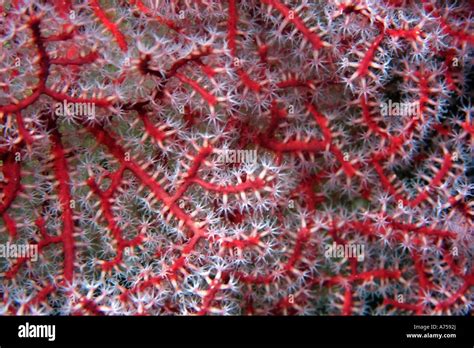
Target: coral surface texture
[236, 157]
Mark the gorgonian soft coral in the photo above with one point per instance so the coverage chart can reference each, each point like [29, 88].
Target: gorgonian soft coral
[131, 210]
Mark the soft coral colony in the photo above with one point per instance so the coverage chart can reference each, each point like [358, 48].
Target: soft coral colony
[131, 211]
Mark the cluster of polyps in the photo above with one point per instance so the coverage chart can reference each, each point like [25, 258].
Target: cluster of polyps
[132, 211]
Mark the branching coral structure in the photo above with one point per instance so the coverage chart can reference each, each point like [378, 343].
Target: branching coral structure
[178, 157]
